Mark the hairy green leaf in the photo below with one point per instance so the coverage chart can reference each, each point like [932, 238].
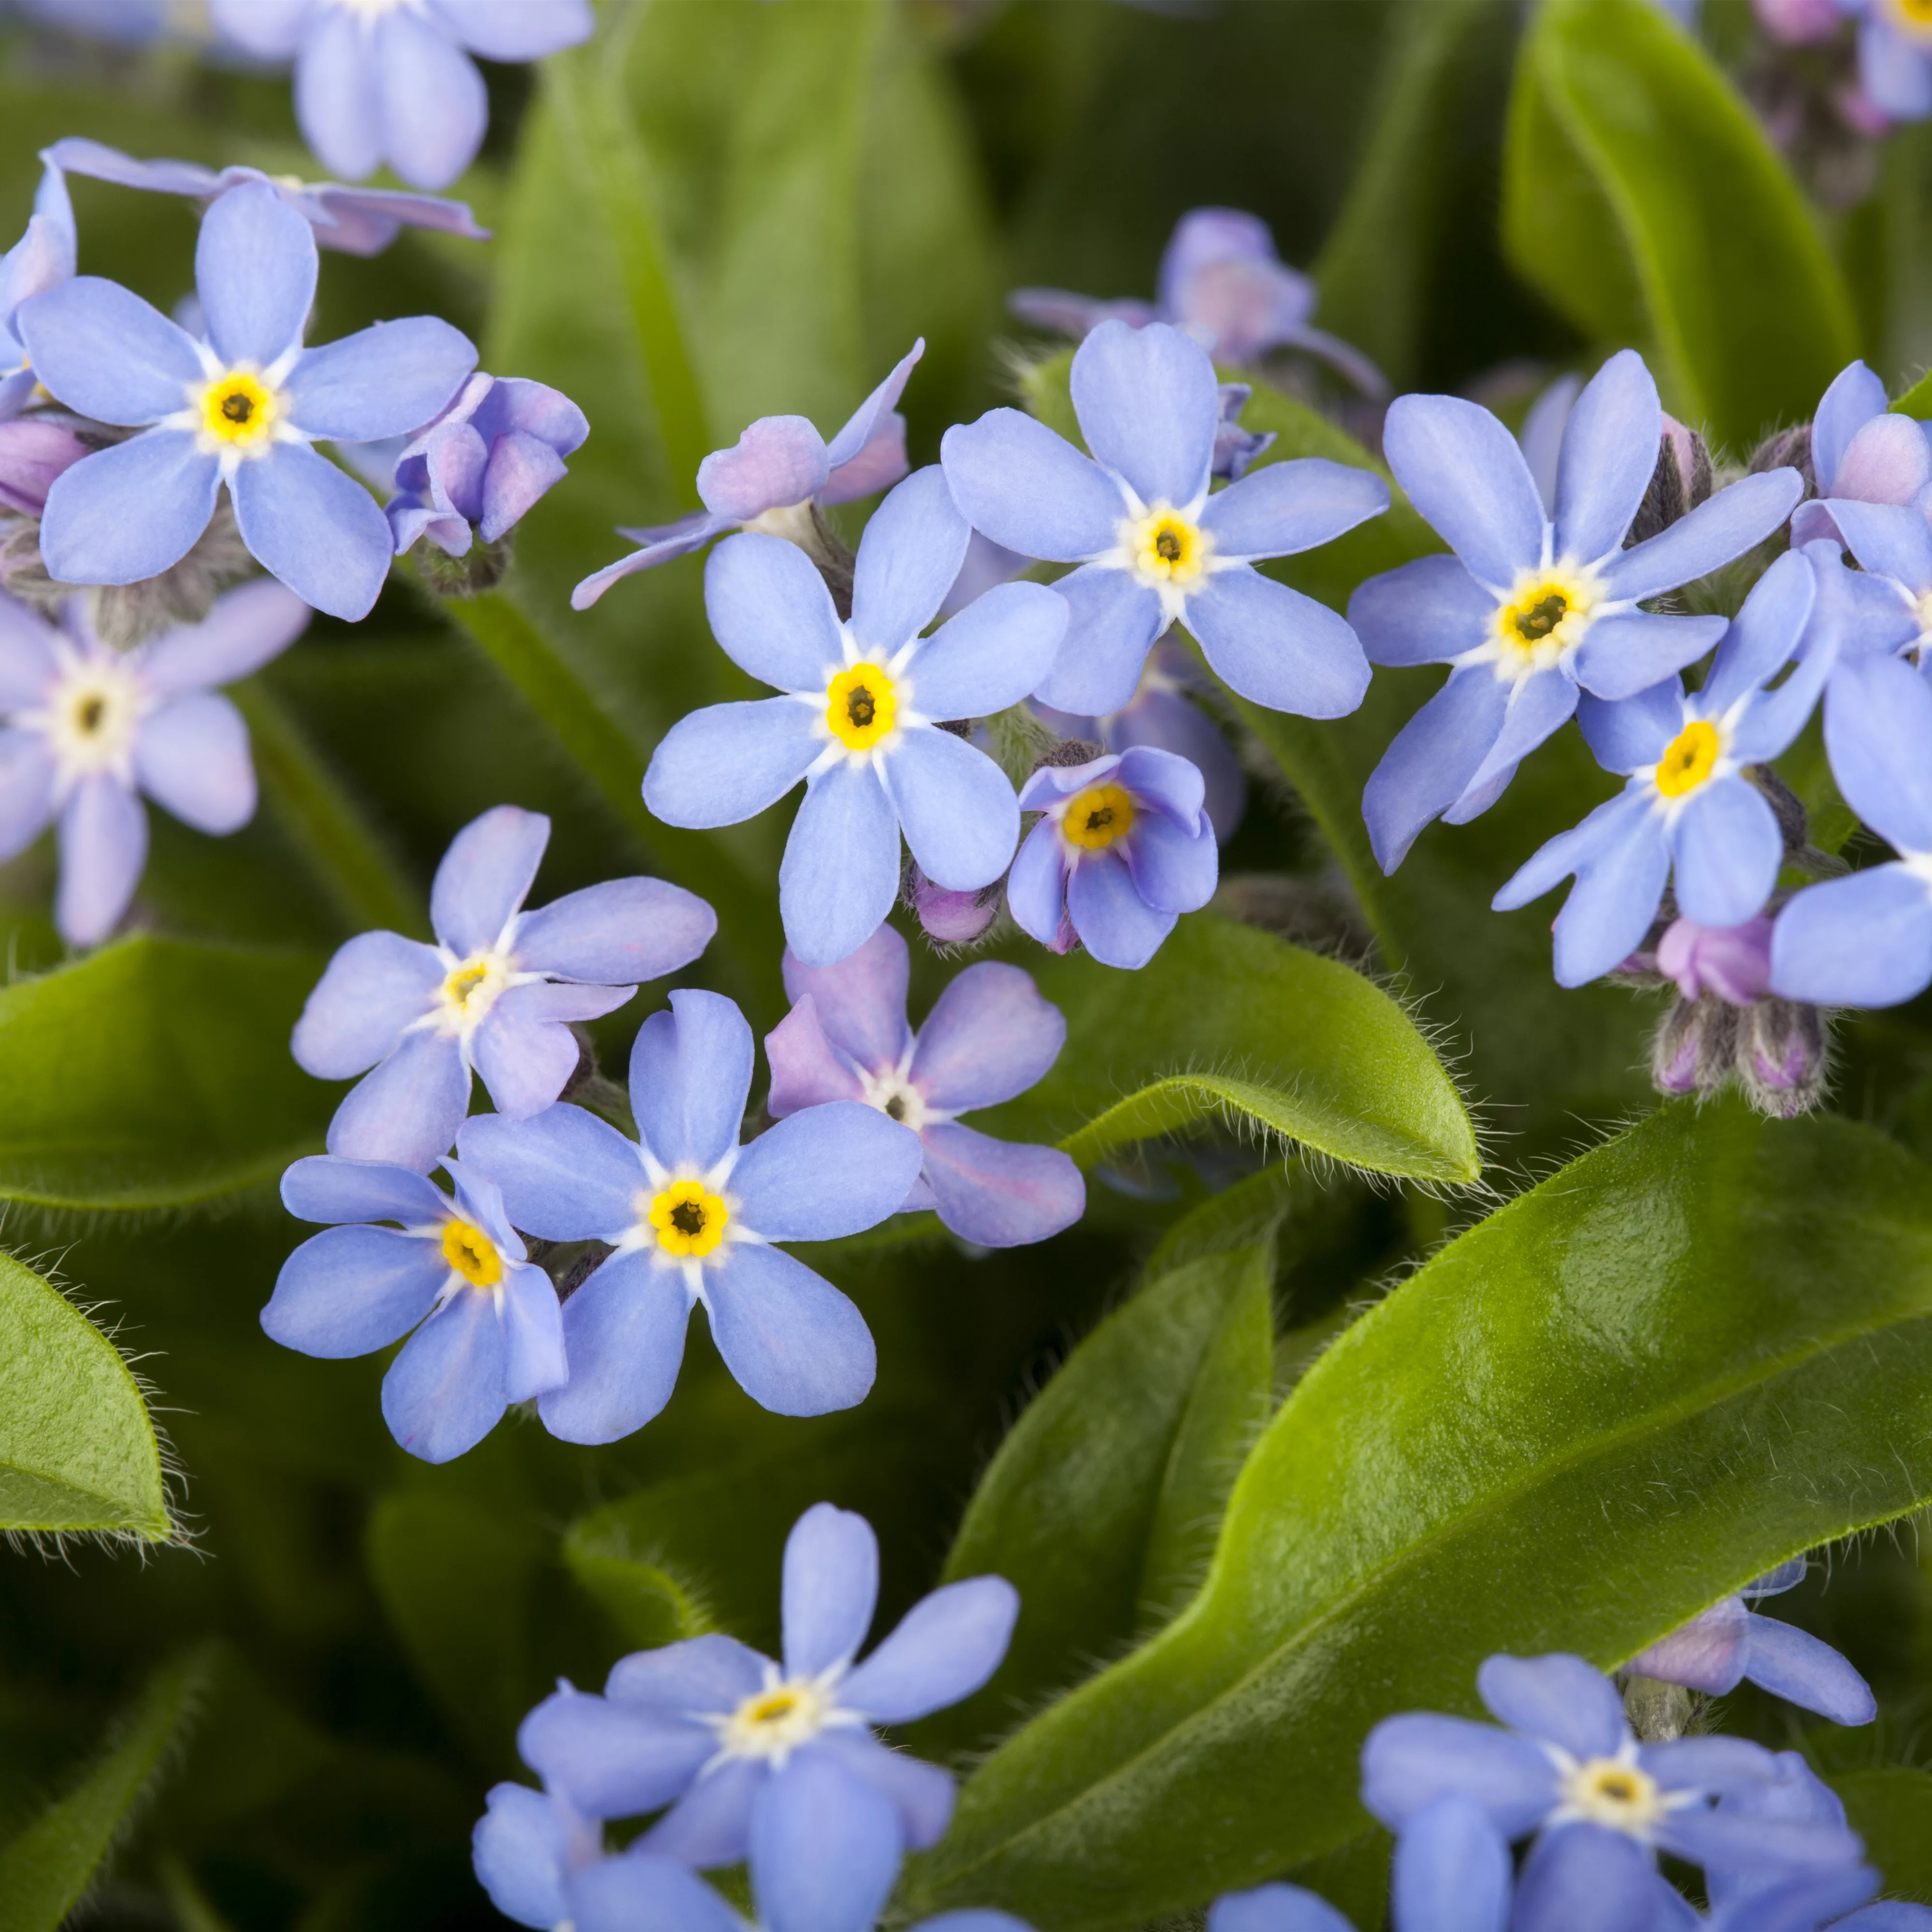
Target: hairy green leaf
[155, 1074]
[1641, 197]
[1696, 1351]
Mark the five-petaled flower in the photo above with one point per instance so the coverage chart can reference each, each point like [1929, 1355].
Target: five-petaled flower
[692, 1217]
[988, 1038]
[86, 729]
[861, 719]
[1533, 607]
[1154, 548]
[495, 995]
[777, 1762]
[390, 80]
[1688, 806]
[488, 1330]
[42, 259]
[243, 408]
[1123, 847]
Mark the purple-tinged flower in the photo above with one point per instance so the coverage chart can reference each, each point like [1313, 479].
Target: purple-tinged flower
[1688, 807]
[774, 477]
[778, 1763]
[1222, 283]
[1893, 593]
[1236, 448]
[481, 466]
[1533, 606]
[87, 730]
[1866, 940]
[952, 919]
[860, 720]
[1450, 1873]
[1162, 713]
[1743, 1896]
[495, 995]
[1731, 963]
[988, 1038]
[488, 1331]
[1154, 548]
[1862, 451]
[42, 259]
[353, 220]
[692, 1217]
[391, 80]
[1729, 1645]
[243, 408]
[1124, 847]
[1569, 1767]
[1894, 56]
[1797, 23]
[34, 450]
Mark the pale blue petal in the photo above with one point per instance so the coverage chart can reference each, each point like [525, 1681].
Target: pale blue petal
[1888, 538]
[955, 806]
[375, 986]
[1541, 435]
[1583, 1880]
[131, 511]
[1000, 1194]
[533, 1322]
[1609, 454]
[565, 1175]
[1723, 1838]
[1792, 1664]
[826, 1847]
[1572, 851]
[728, 762]
[828, 1171]
[1173, 870]
[518, 1848]
[107, 353]
[1463, 472]
[1620, 656]
[1115, 924]
[104, 845]
[1452, 1870]
[1149, 402]
[689, 533]
[1275, 1908]
[771, 612]
[912, 550]
[793, 1343]
[434, 106]
[485, 876]
[1855, 397]
[807, 1070]
[921, 1793]
[385, 381]
[1036, 886]
[1728, 849]
[943, 1650]
[1539, 705]
[1894, 74]
[338, 94]
[247, 627]
[320, 1187]
[513, 30]
[612, 1759]
[1293, 506]
[830, 1588]
[861, 1000]
[1707, 1654]
[255, 271]
[1434, 757]
[1277, 647]
[1112, 621]
[524, 1051]
[638, 1892]
[863, 427]
[623, 1337]
[1018, 482]
[1410, 1761]
[1427, 612]
[1862, 941]
[1632, 731]
[192, 759]
[1558, 1699]
[840, 873]
[408, 1109]
[711, 1824]
[350, 1291]
[700, 1674]
[1165, 721]
[27, 771]
[444, 1392]
[1764, 634]
[1615, 899]
[28, 663]
[691, 1074]
[1878, 730]
[1725, 526]
[989, 1037]
[620, 933]
[991, 655]
[315, 528]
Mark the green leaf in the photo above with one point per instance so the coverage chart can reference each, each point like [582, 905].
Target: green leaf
[1890, 1806]
[1094, 1506]
[155, 1074]
[1699, 1349]
[45, 1871]
[1228, 1021]
[1642, 199]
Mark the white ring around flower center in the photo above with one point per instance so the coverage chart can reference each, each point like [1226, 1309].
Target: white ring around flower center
[91, 718]
[471, 988]
[775, 1720]
[1615, 1792]
[894, 1095]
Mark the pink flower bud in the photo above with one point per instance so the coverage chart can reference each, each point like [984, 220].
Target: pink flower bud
[1796, 23]
[34, 450]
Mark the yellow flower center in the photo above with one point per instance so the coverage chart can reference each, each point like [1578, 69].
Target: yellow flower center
[1915, 16]
[1692, 755]
[1607, 1791]
[472, 1254]
[1094, 818]
[689, 1220]
[238, 411]
[1166, 547]
[1543, 617]
[861, 707]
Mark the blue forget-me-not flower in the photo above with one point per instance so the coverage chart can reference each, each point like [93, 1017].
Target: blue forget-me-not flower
[1154, 548]
[495, 995]
[774, 478]
[1894, 56]
[860, 720]
[1123, 847]
[243, 408]
[692, 1217]
[87, 730]
[1688, 808]
[1862, 451]
[1533, 607]
[42, 259]
[988, 1038]
[777, 1762]
[391, 80]
[488, 1330]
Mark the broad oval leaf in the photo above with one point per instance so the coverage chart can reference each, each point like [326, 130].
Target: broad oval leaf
[1694, 1352]
[78, 1454]
[155, 1074]
[1641, 197]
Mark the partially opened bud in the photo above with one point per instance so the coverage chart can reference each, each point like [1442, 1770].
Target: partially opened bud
[34, 450]
[950, 918]
[1680, 482]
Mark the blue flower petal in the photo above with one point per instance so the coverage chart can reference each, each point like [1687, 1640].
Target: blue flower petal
[1862, 941]
[840, 873]
[338, 94]
[385, 381]
[955, 806]
[908, 557]
[132, 512]
[944, 1649]
[409, 1109]
[1728, 849]
[989, 1037]
[711, 1824]
[1018, 482]
[1410, 1761]
[434, 105]
[1115, 924]
[192, 759]
[1427, 612]
[566, 1175]
[807, 1070]
[864, 427]
[1724, 526]
[1432, 761]
[1275, 1908]
[27, 771]
[255, 271]
[1609, 456]
[771, 612]
[1571, 851]
[1173, 870]
[107, 354]
[1001, 647]
[1583, 1880]
[322, 1188]
[825, 1848]
[620, 933]
[1036, 886]
[485, 876]
[1463, 472]
[104, 845]
[688, 533]
[511, 30]
[1276, 646]
[1001, 1194]
[1539, 705]
[1149, 402]
[1112, 621]
[1558, 1699]
[690, 1074]
[1764, 634]
[1289, 507]
[1452, 1870]
[792, 1343]
[1708, 1764]
[350, 1291]
[861, 1001]
[1855, 397]
[1792, 1664]
[1729, 1839]
[518, 1848]
[1630, 733]
[623, 1337]
[921, 1793]
[730, 761]
[532, 1321]
[315, 528]
[638, 1892]
[1707, 1654]
[247, 626]
[444, 1392]
[1541, 435]
[1620, 656]
[1615, 897]
[828, 1171]
[710, 1674]
[830, 1588]
[1891, 538]
[1878, 730]
[1894, 74]
[611, 1759]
